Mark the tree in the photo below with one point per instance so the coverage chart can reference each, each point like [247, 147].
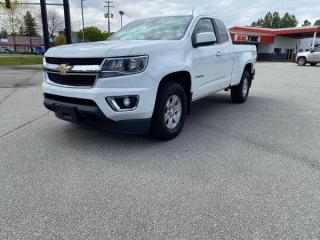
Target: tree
[55, 24]
[289, 21]
[306, 23]
[92, 34]
[258, 23]
[3, 33]
[21, 31]
[267, 21]
[274, 20]
[61, 39]
[12, 19]
[317, 23]
[30, 27]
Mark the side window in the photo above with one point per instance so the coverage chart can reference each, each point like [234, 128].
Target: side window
[222, 30]
[204, 25]
[316, 50]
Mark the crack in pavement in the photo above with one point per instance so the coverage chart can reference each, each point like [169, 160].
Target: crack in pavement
[24, 82]
[8, 95]
[25, 124]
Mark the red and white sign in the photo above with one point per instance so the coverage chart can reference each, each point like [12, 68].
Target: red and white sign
[246, 38]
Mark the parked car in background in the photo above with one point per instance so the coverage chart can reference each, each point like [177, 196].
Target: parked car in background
[39, 50]
[312, 57]
[146, 76]
[5, 50]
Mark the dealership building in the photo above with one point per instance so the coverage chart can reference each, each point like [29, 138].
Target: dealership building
[277, 44]
[23, 44]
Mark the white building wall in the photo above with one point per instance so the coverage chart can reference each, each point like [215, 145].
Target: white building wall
[306, 43]
[284, 43]
[287, 43]
[265, 48]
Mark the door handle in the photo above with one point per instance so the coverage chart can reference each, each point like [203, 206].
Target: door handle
[219, 54]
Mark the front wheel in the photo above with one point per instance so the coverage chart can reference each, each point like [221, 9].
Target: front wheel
[240, 92]
[302, 61]
[170, 111]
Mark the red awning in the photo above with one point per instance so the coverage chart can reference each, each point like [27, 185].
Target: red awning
[290, 32]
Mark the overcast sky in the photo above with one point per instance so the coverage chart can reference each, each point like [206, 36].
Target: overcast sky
[233, 12]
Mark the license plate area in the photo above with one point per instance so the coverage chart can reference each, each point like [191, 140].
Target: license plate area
[66, 113]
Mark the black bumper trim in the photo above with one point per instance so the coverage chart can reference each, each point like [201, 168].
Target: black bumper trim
[89, 114]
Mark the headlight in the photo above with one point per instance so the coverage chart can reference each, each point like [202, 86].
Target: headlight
[114, 67]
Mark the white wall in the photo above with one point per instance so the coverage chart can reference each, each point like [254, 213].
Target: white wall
[307, 43]
[265, 48]
[287, 43]
[284, 43]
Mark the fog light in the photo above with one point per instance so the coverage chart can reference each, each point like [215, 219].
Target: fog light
[123, 103]
[126, 102]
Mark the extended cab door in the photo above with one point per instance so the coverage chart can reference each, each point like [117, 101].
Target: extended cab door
[212, 63]
[227, 56]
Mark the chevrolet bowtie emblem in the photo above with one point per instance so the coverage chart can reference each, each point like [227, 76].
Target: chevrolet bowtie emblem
[63, 68]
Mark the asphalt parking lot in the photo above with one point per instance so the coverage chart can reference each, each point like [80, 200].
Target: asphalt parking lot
[248, 171]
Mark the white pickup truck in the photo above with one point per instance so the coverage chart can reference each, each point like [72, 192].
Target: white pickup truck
[144, 78]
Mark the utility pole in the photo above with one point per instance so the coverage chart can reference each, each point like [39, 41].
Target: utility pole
[108, 14]
[82, 20]
[121, 15]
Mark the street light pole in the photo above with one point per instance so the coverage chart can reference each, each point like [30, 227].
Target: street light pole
[82, 20]
[121, 15]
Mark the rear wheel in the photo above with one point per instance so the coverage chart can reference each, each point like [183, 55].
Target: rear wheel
[302, 61]
[170, 111]
[239, 93]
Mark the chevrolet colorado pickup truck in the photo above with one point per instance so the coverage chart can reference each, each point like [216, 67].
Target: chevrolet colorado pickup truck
[312, 57]
[144, 78]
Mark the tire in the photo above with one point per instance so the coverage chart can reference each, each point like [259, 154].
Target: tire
[313, 64]
[240, 92]
[302, 61]
[170, 111]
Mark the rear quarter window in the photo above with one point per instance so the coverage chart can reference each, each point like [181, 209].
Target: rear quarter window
[222, 31]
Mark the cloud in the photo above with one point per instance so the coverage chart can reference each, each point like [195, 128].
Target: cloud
[232, 12]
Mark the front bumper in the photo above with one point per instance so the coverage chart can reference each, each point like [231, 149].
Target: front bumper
[87, 111]
[139, 85]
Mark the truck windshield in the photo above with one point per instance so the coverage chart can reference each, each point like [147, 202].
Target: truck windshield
[163, 28]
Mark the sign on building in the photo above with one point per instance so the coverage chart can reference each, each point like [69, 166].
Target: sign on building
[246, 38]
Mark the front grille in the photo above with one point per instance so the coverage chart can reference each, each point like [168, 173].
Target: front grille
[79, 101]
[75, 61]
[72, 80]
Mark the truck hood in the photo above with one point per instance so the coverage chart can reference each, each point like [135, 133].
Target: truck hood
[110, 49]
[303, 54]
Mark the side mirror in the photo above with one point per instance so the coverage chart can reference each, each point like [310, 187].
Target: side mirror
[205, 38]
